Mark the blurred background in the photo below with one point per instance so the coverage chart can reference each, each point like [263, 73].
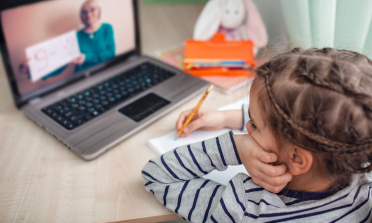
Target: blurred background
[341, 24]
[176, 19]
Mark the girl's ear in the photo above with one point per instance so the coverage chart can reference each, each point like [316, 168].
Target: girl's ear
[209, 20]
[255, 26]
[300, 160]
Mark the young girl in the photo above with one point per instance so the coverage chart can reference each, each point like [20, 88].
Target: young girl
[313, 109]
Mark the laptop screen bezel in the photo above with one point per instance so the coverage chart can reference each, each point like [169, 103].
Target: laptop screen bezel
[21, 100]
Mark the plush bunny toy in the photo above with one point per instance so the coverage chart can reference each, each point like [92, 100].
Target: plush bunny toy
[238, 19]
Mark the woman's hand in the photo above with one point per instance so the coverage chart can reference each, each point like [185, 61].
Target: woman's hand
[79, 60]
[257, 162]
[24, 68]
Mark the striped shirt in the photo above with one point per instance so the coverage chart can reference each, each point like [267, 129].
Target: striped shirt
[175, 180]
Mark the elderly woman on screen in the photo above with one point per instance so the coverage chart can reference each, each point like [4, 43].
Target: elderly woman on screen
[96, 41]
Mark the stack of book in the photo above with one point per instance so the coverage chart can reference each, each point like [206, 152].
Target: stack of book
[225, 64]
[218, 57]
[218, 64]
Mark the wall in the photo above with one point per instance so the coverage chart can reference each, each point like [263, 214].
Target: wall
[271, 13]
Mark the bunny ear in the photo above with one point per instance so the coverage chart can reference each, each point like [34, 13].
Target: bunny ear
[255, 27]
[209, 20]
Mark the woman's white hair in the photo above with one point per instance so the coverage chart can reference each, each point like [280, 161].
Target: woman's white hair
[92, 2]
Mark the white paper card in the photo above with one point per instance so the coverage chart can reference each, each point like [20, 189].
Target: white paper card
[167, 142]
[49, 55]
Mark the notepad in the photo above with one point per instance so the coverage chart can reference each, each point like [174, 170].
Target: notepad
[167, 142]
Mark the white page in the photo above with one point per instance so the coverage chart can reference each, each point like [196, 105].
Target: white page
[167, 142]
[49, 55]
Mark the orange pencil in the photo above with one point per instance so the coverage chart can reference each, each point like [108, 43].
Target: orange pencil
[194, 111]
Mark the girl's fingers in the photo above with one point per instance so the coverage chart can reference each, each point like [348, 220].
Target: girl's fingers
[269, 187]
[260, 154]
[270, 170]
[268, 157]
[194, 125]
[184, 115]
[182, 119]
[280, 181]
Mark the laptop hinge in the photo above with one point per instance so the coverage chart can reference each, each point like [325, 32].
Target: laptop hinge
[133, 57]
[86, 74]
[34, 101]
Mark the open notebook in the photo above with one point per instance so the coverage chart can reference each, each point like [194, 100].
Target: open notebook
[167, 142]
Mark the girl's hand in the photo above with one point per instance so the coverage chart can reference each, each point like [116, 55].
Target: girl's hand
[79, 60]
[257, 162]
[204, 119]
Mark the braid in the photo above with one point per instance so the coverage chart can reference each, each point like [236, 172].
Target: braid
[343, 148]
[344, 77]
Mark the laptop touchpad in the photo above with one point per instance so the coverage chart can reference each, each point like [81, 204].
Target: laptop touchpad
[143, 107]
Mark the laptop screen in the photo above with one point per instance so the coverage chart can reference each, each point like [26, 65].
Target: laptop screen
[51, 42]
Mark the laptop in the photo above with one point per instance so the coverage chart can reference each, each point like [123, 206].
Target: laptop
[75, 69]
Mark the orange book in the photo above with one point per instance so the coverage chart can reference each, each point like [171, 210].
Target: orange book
[174, 56]
[216, 51]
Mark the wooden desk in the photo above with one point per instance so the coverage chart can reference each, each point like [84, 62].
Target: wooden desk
[42, 181]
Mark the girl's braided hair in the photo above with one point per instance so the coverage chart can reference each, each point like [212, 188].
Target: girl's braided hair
[321, 100]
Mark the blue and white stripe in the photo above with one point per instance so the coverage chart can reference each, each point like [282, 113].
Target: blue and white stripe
[175, 180]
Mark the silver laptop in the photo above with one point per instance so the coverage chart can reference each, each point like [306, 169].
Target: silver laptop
[75, 69]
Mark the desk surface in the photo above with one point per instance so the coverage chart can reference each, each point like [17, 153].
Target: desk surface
[42, 181]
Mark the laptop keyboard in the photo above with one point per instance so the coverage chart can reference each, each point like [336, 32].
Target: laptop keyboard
[85, 105]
